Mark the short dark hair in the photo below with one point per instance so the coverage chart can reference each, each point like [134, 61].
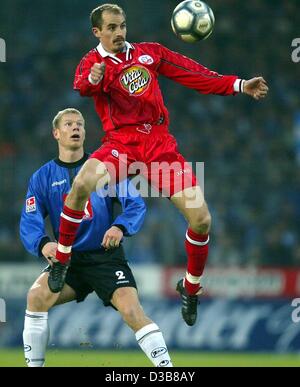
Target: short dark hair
[96, 14]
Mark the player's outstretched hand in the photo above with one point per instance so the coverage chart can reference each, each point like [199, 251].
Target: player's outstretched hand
[49, 252]
[256, 88]
[112, 238]
[97, 72]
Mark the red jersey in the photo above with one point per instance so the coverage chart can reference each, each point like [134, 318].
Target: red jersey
[129, 93]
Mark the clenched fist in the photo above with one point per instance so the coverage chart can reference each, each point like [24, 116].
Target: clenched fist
[256, 88]
[97, 72]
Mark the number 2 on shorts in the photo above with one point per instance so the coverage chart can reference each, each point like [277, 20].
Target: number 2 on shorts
[120, 275]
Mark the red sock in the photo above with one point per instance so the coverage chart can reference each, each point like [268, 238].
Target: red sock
[197, 251]
[70, 221]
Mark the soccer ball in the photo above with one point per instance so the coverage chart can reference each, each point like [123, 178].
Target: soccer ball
[192, 20]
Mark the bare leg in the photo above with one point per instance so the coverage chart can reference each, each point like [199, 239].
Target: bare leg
[147, 333]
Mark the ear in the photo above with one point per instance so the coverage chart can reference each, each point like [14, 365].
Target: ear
[55, 133]
[97, 32]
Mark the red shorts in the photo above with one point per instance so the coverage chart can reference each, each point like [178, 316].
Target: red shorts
[150, 151]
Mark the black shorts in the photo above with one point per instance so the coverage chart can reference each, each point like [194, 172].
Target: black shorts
[101, 271]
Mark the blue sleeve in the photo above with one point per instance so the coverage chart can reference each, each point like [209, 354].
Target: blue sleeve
[32, 223]
[133, 206]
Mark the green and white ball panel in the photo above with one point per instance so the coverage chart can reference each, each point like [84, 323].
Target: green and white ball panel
[203, 23]
[192, 20]
[189, 38]
[184, 19]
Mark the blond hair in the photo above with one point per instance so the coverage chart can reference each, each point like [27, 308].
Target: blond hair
[60, 114]
[96, 14]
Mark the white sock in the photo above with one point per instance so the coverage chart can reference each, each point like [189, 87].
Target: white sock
[151, 340]
[35, 338]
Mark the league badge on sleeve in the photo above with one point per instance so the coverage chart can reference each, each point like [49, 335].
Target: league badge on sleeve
[31, 204]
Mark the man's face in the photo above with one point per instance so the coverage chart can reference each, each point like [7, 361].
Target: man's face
[113, 32]
[70, 133]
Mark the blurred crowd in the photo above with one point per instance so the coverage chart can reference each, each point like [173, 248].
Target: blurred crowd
[252, 180]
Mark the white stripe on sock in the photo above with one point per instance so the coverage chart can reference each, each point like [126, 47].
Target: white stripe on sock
[193, 279]
[43, 315]
[196, 243]
[145, 330]
[73, 220]
[64, 249]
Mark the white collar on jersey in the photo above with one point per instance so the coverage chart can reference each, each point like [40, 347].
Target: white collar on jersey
[113, 57]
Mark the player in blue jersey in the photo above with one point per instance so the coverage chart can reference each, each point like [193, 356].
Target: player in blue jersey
[98, 260]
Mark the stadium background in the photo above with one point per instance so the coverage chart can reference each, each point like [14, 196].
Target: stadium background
[252, 183]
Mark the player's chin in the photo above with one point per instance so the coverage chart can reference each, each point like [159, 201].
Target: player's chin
[119, 44]
[76, 145]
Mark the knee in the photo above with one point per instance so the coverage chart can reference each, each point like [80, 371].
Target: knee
[39, 299]
[88, 181]
[201, 222]
[80, 188]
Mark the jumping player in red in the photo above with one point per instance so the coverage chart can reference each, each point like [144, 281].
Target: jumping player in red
[123, 80]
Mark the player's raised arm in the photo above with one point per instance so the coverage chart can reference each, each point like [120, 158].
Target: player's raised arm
[88, 76]
[195, 76]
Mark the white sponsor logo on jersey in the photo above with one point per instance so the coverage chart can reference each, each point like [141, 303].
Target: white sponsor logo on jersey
[56, 183]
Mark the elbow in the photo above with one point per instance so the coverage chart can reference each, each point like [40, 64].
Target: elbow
[28, 245]
[83, 92]
[22, 236]
[142, 213]
[143, 210]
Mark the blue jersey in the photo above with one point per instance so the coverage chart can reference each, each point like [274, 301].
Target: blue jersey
[47, 190]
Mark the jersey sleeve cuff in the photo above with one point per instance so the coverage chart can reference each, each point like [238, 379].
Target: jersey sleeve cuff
[43, 242]
[238, 86]
[122, 228]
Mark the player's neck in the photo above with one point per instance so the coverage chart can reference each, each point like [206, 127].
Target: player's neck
[71, 156]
